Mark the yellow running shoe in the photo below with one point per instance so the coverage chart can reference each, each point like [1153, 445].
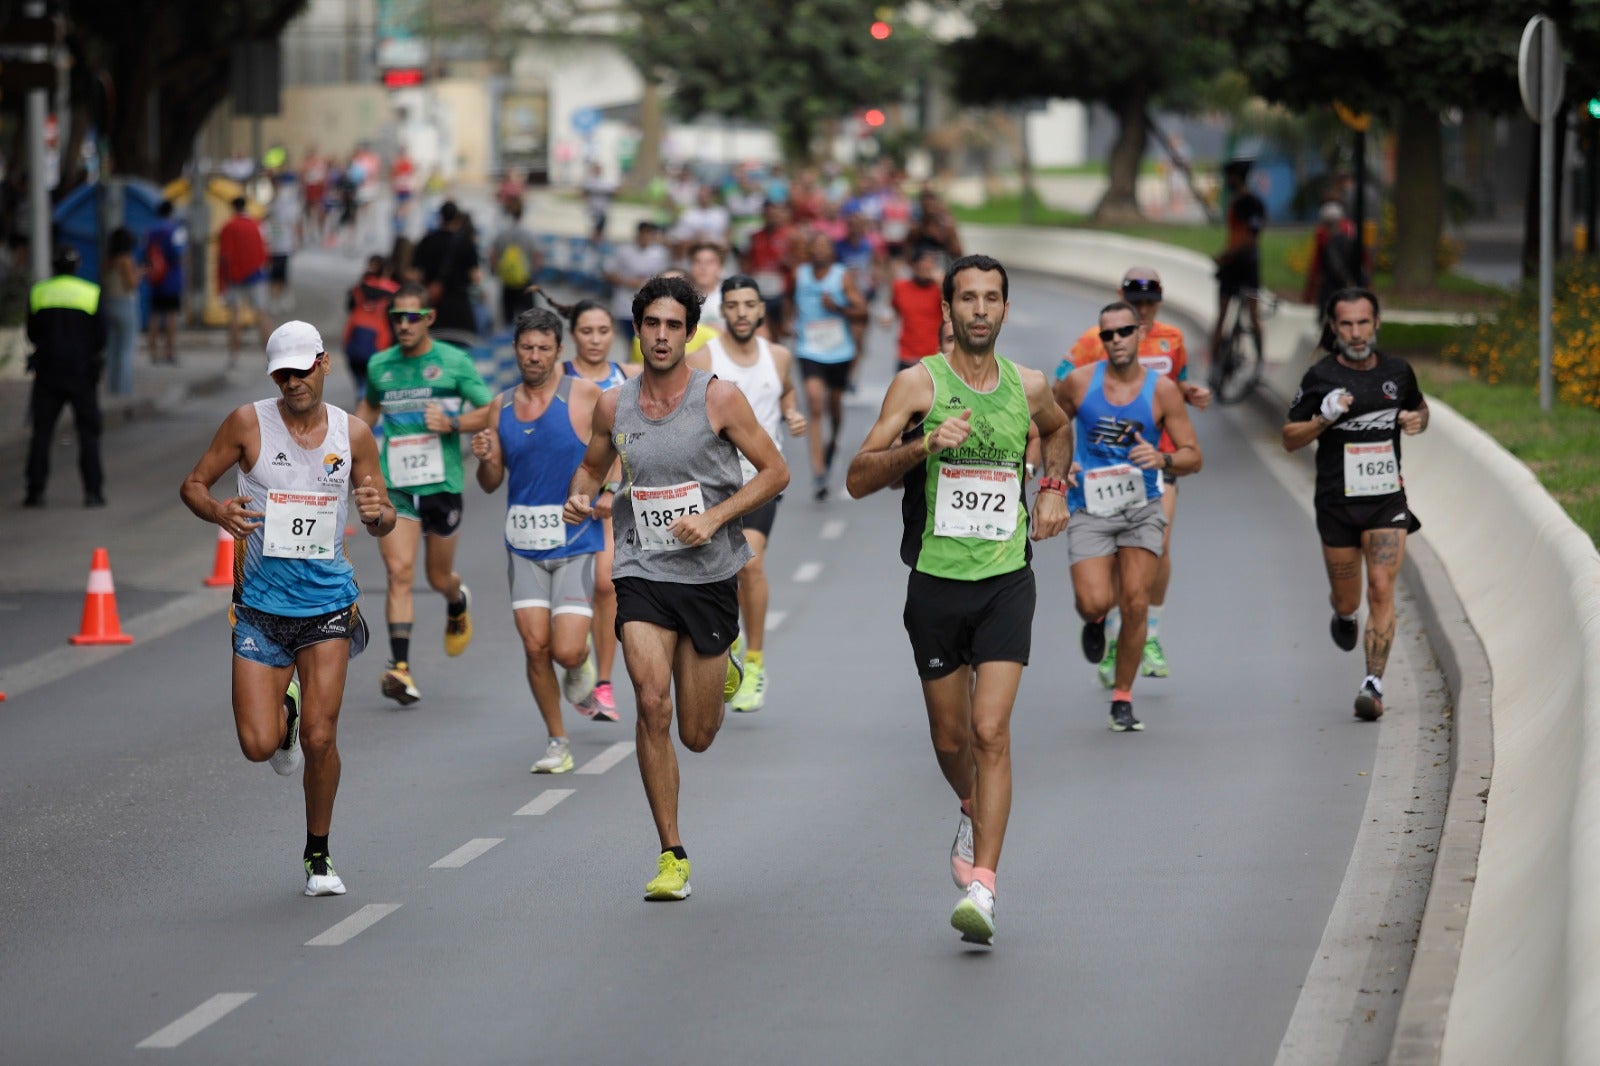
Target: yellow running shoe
[458, 628]
[735, 678]
[752, 694]
[398, 686]
[671, 880]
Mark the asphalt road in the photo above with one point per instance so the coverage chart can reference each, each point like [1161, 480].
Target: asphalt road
[1163, 896]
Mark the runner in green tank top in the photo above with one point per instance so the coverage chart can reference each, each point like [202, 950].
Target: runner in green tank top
[954, 429]
[416, 388]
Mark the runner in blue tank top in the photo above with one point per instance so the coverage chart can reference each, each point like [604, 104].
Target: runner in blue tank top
[1114, 538]
[294, 610]
[540, 437]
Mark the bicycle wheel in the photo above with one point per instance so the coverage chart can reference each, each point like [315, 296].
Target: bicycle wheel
[1236, 376]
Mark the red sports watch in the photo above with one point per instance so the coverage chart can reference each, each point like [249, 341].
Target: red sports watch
[1052, 484]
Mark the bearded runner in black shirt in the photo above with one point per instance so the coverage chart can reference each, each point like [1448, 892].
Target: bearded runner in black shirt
[1355, 403]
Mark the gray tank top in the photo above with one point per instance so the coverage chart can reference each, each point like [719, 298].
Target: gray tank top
[673, 466]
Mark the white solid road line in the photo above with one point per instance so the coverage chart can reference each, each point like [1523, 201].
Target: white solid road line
[775, 620]
[833, 529]
[211, 1011]
[353, 926]
[466, 853]
[607, 759]
[544, 801]
[808, 572]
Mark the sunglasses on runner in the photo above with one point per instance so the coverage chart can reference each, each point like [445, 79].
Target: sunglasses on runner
[410, 318]
[1147, 288]
[282, 375]
[1120, 331]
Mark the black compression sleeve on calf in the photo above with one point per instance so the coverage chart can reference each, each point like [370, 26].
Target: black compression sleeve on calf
[400, 642]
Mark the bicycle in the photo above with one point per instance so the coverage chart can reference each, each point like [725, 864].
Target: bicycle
[1238, 362]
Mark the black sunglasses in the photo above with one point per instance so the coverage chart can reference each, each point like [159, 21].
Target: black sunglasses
[1141, 287]
[1120, 331]
[283, 374]
[411, 317]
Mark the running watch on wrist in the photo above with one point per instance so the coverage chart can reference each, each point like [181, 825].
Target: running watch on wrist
[1166, 460]
[1052, 484]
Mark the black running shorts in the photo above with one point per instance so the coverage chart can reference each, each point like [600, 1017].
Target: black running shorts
[1340, 524]
[762, 518]
[962, 623]
[707, 614]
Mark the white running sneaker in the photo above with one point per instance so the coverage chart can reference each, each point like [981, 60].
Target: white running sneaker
[321, 878]
[288, 758]
[578, 685]
[973, 917]
[557, 758]
[961, 853]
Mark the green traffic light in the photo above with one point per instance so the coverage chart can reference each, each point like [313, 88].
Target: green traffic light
[1594, 107]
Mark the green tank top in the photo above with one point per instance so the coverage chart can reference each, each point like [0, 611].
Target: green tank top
[964, 511]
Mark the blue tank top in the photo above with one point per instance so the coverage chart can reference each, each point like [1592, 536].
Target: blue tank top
[540, 458]
[821, 335]
[1103, 436]
[610, 381]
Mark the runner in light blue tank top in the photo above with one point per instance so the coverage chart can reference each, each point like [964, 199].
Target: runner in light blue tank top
[1105, 432]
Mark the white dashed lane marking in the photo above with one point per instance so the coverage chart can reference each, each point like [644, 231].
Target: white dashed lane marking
[466, 853]
[808, 572]
[832, 530]
[775, 620]
[353, 926]
[607, 759]
[208, 1013]
[546, 800]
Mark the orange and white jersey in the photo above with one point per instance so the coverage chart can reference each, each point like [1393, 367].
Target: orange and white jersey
[1161, 350]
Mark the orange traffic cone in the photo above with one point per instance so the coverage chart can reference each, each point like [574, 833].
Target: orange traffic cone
[100, 623]
[222, 566]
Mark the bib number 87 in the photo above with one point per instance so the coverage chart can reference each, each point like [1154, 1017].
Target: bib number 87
[301, 527]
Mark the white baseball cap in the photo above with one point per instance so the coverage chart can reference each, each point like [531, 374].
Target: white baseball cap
[293, 346]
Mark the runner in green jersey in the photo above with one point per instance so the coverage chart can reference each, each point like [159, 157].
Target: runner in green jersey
[954, 429]
[417, 388]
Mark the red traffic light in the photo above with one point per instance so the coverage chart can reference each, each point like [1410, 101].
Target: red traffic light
[873, 118]
[402, 77]
[881, 30]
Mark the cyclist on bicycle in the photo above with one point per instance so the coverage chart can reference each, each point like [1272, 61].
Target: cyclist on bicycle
[1239, 265]
[1161, 349]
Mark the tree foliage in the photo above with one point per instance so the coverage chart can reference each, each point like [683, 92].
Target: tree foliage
[1129, 58]
[134, 60]
[793, 66]
[1406, 60]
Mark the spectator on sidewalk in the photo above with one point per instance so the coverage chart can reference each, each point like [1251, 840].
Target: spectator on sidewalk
[120, 297]
[67, 328]
[514, 257]
[164, 249]
[242, 275]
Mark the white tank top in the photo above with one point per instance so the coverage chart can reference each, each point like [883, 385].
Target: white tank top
[294, 562]
[759, 383]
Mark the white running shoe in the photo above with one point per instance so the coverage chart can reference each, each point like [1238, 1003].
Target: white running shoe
[961, 853]
[288, 758]
[973, 917]
[321, 878]
[557, 758]
[578, 685]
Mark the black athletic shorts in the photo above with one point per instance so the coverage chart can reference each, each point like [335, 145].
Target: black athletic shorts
[278, 269]
[835, 376]
[275, 639]
[165, 303]
[761, 519]
[708, 614]
[439, 512]
[963, 623]
[1341, 523]
[1243, 272]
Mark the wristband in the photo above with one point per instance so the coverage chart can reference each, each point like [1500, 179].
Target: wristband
[611, 487]
[927, 444]
[1053, 484]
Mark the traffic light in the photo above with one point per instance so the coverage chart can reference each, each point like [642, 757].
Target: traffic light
[874, 118]
[1594, 107]
[881, 30]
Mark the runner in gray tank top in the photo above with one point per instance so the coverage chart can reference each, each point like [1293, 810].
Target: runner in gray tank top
[679, 434]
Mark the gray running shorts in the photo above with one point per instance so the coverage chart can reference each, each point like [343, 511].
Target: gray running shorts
[1095, 537]
[560, 586]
